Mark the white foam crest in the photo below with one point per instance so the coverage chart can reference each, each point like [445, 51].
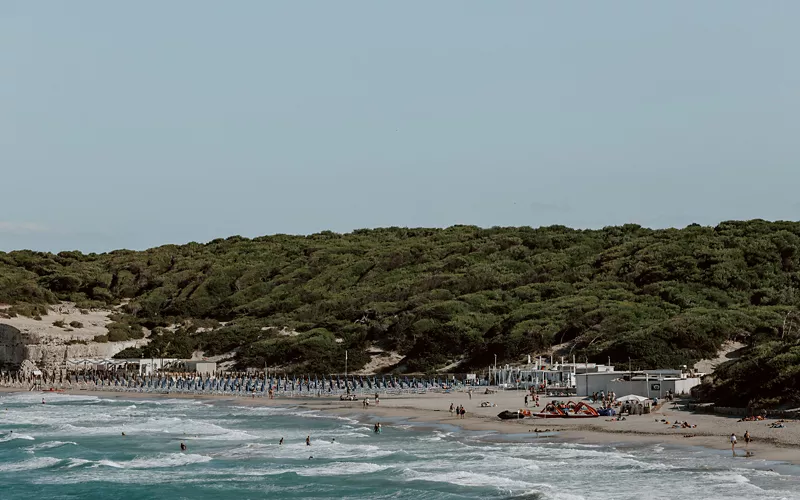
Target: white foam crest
[561, 496]
[50, 397]
[161, 461]
[342, 469]
[436, 436]
[317, 414]
[49, 445]
[54, 416]
[466, 478]
[167, 460]
[193, 429]
[323, 449]
[513, 463]
[106, 475]
[14, 435]
[729, 477]
[31, 464]
[76, 462]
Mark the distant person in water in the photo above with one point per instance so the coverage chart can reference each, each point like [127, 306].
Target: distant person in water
[733, 443]
[123, 433]
[308, 440]
[43, 401]
[183, 446]
[280, 442]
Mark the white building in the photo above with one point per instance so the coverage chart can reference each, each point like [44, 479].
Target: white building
[648, 383]
[200, 366]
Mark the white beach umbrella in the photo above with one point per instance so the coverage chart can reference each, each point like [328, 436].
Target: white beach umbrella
[632, 397]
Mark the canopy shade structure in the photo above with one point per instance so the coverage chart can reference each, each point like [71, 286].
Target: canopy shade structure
[632, 397]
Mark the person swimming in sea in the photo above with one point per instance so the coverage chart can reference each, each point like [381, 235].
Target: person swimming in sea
[280, 443]
[183, 446]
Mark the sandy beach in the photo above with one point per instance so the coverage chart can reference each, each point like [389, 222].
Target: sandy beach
[712, 431]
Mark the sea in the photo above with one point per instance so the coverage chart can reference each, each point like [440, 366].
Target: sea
[72, 447]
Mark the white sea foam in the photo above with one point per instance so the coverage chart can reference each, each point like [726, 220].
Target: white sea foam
[49, 397]
[342, 469]
[31, 464]
[49, 445]
[467, 478]
[156, 462]
[15, 435]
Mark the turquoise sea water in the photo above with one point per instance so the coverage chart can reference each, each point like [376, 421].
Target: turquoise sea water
[72, 448]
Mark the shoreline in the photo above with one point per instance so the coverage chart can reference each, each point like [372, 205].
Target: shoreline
[431, 410]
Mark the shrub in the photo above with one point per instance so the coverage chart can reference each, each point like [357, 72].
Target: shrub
[27, 310]
[59, 323]
[117, 336]
[76, 324]
[101, 338]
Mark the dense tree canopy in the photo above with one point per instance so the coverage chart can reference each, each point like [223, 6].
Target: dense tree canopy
[660, 297]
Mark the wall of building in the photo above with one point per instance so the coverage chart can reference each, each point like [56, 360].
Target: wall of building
[684, 386]
[204, 367]
[653, 388]
[591, 383]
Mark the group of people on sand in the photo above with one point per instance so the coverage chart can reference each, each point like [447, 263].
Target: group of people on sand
[366, 403]
[679, 425]
[747, 441]
[532, 398]
[605, 399]
[459, 410]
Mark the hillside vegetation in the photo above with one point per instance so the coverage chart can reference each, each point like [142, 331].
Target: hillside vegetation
[662, 298]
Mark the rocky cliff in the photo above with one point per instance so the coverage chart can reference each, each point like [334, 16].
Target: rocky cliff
[65, 333]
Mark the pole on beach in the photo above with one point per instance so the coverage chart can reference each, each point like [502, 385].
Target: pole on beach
[586, 367]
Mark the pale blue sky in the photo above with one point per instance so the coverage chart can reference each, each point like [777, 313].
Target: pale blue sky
[134, 124]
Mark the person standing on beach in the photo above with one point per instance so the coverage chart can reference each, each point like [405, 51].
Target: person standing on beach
[733, 444]
[746, 439]
[526, 401]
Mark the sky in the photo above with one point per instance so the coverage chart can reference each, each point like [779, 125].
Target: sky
[137, 124]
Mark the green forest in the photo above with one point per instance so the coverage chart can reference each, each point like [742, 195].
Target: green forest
[661, 298]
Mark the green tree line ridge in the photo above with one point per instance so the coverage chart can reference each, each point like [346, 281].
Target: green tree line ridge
[662, 298]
